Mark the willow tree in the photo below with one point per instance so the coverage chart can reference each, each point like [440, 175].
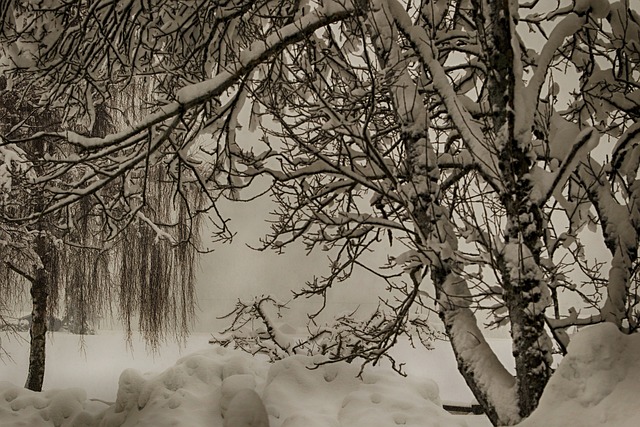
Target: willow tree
[448, 125]
[86, 261]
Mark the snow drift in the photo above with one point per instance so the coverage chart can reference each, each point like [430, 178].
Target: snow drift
[220, 387]
[597, 383]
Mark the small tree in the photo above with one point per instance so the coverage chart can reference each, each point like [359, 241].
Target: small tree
[440, 123]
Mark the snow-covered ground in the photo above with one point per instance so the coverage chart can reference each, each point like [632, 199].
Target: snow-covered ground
[93, 363]
[196, 386]
[596, 384]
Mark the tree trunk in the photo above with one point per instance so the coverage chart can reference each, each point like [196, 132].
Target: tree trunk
[489, 381]
[38, 330]
[41, 285]
[526, 298]
[526, 294]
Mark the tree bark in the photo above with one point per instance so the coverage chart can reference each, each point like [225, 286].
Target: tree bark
[38, 330]
[41, 284]
[525, 291]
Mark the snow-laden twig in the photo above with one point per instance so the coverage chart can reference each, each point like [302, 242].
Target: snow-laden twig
[160, 233]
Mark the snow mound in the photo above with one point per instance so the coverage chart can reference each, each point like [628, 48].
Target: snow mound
[597, 383]
[332, 395]
[226, 388]
[195, 392]
[59, 408]
[246, 410]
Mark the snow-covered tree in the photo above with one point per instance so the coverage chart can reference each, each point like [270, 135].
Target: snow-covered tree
[487, 138]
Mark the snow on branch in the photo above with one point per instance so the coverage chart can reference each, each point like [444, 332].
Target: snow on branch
[260, 51]
[545, 183]
[265, 338]
[624, 148]
[196, 94]
[621, 231]
[570, 25]
[478, 362]
[469, 131]
[255, 329]
[100, 181]
[573, 319]
[160, 233]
